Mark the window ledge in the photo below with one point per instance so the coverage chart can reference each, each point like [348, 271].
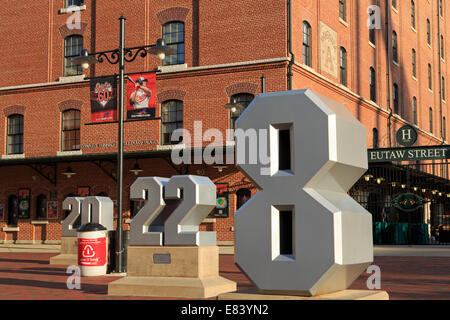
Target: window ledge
[413, 29]
[39, 221]
[69, 153]
[209, 220]
[70, 79]
[394, 9]
[395, 63]
[172, 68]
[13, 156]
[429, 46]
[10, 229]
[170, 146]
[414, 78]
[372, 45]
[72, 9]
[343, 22]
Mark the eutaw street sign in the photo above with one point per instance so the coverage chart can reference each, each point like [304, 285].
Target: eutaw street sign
[408, 154]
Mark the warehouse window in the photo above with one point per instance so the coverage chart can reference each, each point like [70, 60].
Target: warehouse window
[71, 130]
[396, 102]
[72, 48]
[428, 32]
[444, 128]
[41, 206]
[171, 119]
[372, 85]
[394, 47]
[374, 138]
[342, 9]
[415, 110]
[306, 44]
[69, 3]
[442, 46]
[443, 88]
[372, 35]
[429, 77]
[413, 14]
[14, 143]
[173, 34]
[441, 12]
[243, 195]
[414, 63]
[430, 114]
[394, 4]
[242, 99]
[343, 66]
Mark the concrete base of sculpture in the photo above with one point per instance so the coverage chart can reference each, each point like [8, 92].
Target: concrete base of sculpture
[69, 252]
[339, 295]
[177, 272]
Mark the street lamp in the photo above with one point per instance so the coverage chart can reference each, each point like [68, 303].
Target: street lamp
[120, 56]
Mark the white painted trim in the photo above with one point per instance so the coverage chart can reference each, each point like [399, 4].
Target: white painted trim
[173, 68]
[13, 156]
[209, 220]
[78, 79]
[72, 9]
[10, 229]
[39, 222]
[69, 153]
[170, 147]
[71, 79]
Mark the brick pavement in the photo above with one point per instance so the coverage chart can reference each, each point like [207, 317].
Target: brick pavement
[29, 276]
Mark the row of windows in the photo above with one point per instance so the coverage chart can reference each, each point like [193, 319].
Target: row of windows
[171, 119]
[441, 8]
[172, 33]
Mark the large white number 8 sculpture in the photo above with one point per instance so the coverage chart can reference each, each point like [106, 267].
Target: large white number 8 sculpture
[302, 234]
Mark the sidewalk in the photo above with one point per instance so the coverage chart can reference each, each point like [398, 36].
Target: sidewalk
[380, 251]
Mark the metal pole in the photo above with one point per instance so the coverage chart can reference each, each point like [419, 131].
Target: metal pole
[119, 233]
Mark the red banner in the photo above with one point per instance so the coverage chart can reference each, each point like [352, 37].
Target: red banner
[141, 89]
[104, 99]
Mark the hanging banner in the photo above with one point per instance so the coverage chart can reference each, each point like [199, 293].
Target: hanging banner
[104, 99]
[24, 203]
[141, 89]
[222, 206]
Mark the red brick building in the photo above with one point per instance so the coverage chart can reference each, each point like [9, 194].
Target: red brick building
[227, 49]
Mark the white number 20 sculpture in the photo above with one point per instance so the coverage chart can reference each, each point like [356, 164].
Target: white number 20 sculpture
[303, 234]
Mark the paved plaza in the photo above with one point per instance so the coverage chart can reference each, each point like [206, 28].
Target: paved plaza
[406, 273]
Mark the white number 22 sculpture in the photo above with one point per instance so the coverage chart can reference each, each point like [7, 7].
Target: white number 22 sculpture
[302, 234]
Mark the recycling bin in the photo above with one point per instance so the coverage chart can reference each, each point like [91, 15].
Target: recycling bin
[92, 249]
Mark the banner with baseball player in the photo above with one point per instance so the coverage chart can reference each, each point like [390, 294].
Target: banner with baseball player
[141, 90]
[104, 99]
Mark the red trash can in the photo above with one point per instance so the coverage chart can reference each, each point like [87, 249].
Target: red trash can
[92, 249]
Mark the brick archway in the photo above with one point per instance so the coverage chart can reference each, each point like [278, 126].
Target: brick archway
[15, 109]
[172, 14]
[242, 87]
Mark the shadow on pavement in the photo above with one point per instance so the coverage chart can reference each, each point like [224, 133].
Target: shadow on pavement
[24, 261]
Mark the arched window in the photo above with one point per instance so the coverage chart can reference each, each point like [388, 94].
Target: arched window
[428, 32]
[415, 110]
[72, 48]
[343, 66]
[13, 210]
[372, 85]
[41, 206]
[429, 77]
[442, 46]
[413, 59]
[394, 47]
[14, 141]
[242, 195]
[71, 130]
[374, 138]
[242, 99]
[443, 88]
[171, 119]
[307, 44]
[413, 14]
[342, 9]
[372, 35]
[441, 9]
[173, 34]
[430, 114]
[396, 99]
[394, 4]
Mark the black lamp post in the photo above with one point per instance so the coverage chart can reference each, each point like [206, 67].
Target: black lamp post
[119, 56]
